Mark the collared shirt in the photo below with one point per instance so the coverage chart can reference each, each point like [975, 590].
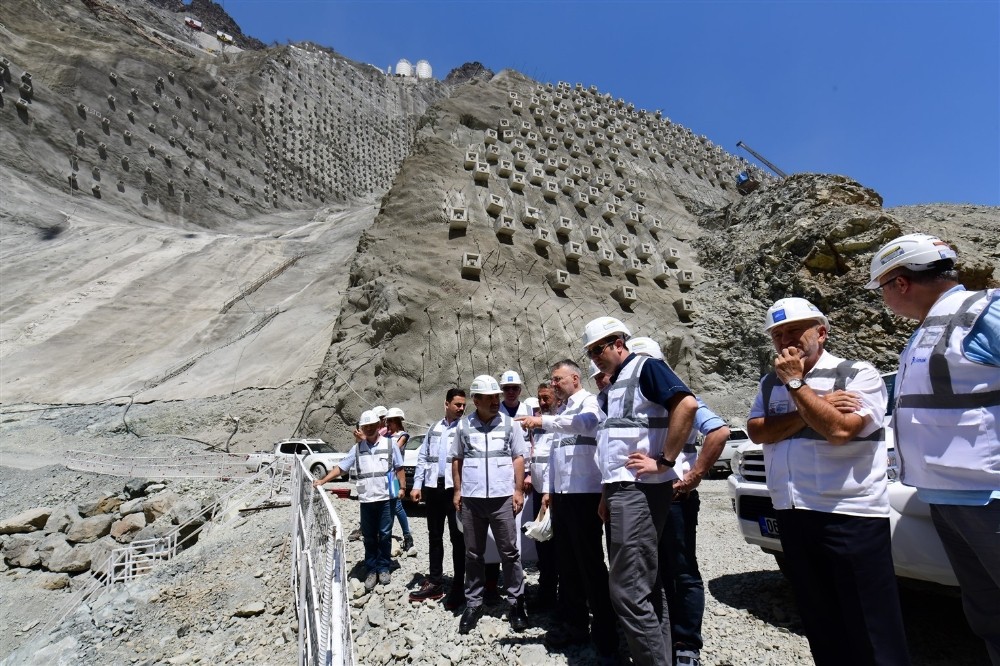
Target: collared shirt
[657, 381]
[584, 422]
[521, 410]
[347, 462]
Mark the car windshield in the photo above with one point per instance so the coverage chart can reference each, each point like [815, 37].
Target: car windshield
[413, 443]
[322, 447]
[736, 433]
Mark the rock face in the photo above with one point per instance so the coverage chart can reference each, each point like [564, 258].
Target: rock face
[467, 72]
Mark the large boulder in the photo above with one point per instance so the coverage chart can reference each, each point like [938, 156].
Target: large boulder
[131, 506]
[159, 504]
[19, 550]
[107, 503]
[67, 559]
[60, 520]
[89, 529]
[48, 545]
[124, 530]
[99, 551]
[26, 521]
[137, 488]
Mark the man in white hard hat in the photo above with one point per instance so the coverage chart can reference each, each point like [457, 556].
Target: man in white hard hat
[600, 379]
[573, 490]
[649, 415]
[947, 410]
[682, 579]
[510, 384]
[434, 483]
[488, 453]
[373, 457]
[820, 420]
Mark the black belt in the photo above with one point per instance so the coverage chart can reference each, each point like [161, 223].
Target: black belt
[620, 485]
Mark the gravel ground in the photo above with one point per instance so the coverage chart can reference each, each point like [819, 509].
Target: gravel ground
[191, 610]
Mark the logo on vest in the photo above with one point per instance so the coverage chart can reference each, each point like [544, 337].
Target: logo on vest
[778, 407]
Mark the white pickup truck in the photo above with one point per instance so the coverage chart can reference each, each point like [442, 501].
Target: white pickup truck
[917, 552]
[319, 457]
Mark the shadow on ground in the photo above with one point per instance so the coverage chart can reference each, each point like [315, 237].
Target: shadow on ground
[936, 630]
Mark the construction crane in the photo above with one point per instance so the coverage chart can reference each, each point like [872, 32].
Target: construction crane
[781, 174]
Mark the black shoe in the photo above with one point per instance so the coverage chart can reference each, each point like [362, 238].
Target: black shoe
[407, 542]
[562, 637]
[427, 591]
[469, 619]
[518, 618]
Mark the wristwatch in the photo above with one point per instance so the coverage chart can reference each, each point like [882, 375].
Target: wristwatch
[794, 384]
[663, 461]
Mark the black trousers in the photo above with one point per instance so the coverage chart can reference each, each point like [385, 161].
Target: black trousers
[583, 577]
[548, 570]
[440, 508]
[841, 571]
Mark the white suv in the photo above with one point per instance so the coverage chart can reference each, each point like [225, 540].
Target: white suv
[917, 553]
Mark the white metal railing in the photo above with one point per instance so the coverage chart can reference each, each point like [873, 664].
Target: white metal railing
[197, 465]
[319, 575]
[139, 558]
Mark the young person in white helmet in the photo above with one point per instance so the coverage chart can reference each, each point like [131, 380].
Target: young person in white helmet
[649, 413]
[682, 579]
[947, 410]
[510, 384]
[820, 420]
[373, 457]
[572, 488]
[488, 453]
[433, 483]
[398, 436]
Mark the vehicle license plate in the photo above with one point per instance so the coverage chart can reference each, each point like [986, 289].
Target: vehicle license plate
[768, 526]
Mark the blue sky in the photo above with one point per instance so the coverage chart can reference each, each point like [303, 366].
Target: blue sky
[902, 96]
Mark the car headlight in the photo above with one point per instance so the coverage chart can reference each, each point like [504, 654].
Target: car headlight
[892, 465]
[736, 462]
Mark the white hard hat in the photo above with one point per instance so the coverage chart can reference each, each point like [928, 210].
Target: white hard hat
[368, 417]
[786, 310]
[645, 346]
[394, 413]
[531, 403]
[594, 370]
[602, 327]
[380, 411]
[917, 252]
[510, 377]
[485, 385]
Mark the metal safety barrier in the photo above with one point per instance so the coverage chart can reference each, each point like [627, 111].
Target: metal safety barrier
[199, 465]
[319, 575]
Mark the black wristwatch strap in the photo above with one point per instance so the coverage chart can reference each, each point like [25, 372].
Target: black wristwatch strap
[663, 461]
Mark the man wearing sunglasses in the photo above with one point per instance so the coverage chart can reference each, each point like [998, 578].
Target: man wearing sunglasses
[650, 412]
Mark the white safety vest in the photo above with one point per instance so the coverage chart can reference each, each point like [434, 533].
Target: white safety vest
[633, 423]
[539, 465]
[397, 436]
[488, 453]
[522, 410]
[808, 472]
[372, 465]
[948, 407]
[573, 464]
[436, 444]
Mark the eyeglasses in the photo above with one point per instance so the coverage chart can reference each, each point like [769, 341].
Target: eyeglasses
[882, 284]
[598, 349]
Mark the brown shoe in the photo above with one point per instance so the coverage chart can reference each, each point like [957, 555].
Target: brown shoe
[427, 591]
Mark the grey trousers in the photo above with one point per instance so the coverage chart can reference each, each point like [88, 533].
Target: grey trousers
[479, 514]
[971, 538]
[637, 513]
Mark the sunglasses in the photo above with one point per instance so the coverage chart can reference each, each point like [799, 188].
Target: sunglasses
[598, 349]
